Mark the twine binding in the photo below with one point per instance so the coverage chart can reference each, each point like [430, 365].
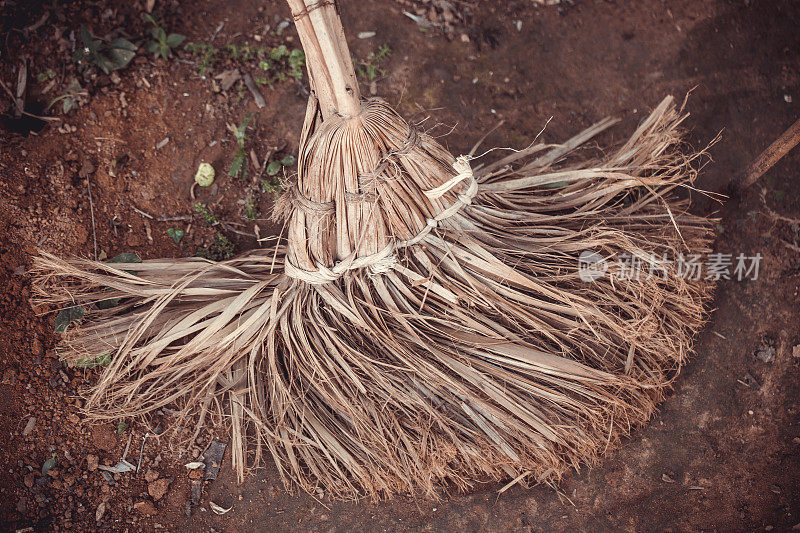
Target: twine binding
[312, 7]
[386, 259]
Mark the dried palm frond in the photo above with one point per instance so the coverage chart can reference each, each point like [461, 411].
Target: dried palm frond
[426, 322]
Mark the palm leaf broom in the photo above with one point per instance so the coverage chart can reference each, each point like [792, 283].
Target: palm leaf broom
[424, 323]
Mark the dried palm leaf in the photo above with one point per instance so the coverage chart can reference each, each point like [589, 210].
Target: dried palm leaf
[425, 323]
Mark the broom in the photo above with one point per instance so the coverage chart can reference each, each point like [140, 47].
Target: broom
[424, 324]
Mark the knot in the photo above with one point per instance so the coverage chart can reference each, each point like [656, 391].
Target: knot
[312, 7]
[386, 259]
[297, 199]
[367, 179]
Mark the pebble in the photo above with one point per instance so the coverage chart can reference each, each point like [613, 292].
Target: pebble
[29, 426]
[92, 462]
[145, 508]
[158, 488]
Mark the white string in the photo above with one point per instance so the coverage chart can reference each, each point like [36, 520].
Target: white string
[386, 259]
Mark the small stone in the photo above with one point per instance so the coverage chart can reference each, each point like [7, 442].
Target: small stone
[766, 353]
[92, 462]
[29, 480]
[205, 175]
[158, 488]
[151, 475]
[29, 426]
[145, 508]
[10, 375]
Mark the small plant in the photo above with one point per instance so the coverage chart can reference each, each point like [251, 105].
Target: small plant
[206, 56]
[219, 250]
[244, 52]
[297, 60]
[369, 68]
[162, 44]
[176, 234]
[251, 208]
[275, 166]
[280, 64]
[73, 94]
[273, 184]
[239, 163]
[45, 75]
[107, 56]
[208, 217]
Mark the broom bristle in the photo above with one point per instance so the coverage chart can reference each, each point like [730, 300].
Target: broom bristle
[402, 349]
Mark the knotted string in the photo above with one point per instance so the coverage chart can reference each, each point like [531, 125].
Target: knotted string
[386, 259]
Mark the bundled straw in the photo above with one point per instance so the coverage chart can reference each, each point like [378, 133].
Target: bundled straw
[425, 322]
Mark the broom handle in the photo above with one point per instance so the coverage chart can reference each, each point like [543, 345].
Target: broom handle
[328, 57]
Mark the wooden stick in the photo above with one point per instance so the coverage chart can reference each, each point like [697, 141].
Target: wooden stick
[321, 82]
[774, 152]
[335, 56]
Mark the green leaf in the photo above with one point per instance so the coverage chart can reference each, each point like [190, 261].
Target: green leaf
[161, 35]
[86, 36]
[236, 164]
[123, 44]
[120, 53]
[279, 52]
[103, 62]
[273, 168]
[104, 359]
[67, 316]
[287, 161]
[108, 303]
[152, 47]
[242, 130]
[175, 39]
[121, 427]
[67, 104]
[176, 234]
[49, 464]
[297, 57]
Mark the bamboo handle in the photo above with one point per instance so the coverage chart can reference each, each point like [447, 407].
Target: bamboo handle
[327, 56]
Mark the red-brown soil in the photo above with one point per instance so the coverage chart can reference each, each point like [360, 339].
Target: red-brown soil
[723, 453]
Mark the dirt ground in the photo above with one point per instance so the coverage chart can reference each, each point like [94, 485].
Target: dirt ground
[722, 454]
